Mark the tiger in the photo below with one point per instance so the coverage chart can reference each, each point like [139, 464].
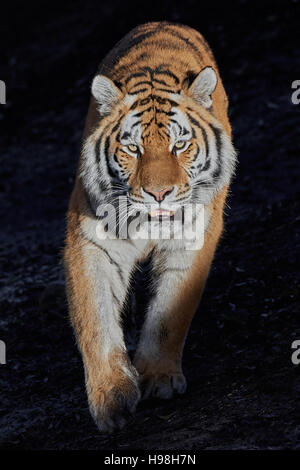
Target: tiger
[157, 133]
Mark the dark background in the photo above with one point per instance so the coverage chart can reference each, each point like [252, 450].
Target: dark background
[243, 390]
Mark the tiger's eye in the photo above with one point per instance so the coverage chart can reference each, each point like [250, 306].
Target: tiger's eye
[180, 144]
[133, 148]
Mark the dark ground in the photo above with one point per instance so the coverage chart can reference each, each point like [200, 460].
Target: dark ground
[243, 389]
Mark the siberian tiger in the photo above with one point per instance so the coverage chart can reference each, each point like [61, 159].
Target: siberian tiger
[157, 132]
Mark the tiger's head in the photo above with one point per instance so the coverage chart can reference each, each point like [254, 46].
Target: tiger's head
[157, 141]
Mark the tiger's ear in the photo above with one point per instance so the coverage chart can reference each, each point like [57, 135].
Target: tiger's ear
[203, 86]
[106, 93]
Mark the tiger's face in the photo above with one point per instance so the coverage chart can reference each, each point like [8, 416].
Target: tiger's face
[153, 154]
[158, 143]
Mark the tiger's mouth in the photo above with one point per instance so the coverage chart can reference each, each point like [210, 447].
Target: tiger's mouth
[160, 214]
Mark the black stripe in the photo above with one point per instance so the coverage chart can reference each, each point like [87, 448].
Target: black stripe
[193, 120]
[106, 146]
[134, 105]
[113, 262]
[159, 71]
[164, 100]
[139, 114]
[145, 135]
[162, 82]
[196, 154]
[141, 90]
[205, 138]
[143, 82]
[168, 113]
[125, 135]
[110, 170]
[117, 125]
[97, 149]
[115, 298]
[217, 133]
[177, 124]
[134, 75]
[104, 186]
[206, 143]
[145, 100]
[168, 73]
[161, 133]
[135, 124]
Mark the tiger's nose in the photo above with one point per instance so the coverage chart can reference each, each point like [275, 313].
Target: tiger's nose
[159, 195]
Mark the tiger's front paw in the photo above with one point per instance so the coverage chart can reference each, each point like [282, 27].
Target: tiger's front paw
[160, 378]
[113, 404]
[162, 385]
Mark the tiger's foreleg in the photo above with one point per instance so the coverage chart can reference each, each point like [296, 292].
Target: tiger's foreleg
[182, 277]
[96, 288]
